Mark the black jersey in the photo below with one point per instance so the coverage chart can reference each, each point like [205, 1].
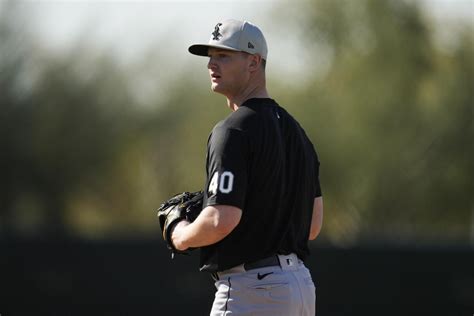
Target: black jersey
[260, 160]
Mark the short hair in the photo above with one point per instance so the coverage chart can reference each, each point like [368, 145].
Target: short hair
[264, 64]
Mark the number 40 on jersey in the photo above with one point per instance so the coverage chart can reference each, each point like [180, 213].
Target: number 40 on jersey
[223, 182]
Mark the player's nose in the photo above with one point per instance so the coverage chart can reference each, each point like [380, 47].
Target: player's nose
[212, 63]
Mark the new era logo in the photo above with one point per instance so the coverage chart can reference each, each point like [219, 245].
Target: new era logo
[251, 46]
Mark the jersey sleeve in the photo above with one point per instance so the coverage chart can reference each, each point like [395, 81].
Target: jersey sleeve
[227, 176]
[317, 184]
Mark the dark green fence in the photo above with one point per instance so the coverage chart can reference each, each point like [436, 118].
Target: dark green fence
[73, 277]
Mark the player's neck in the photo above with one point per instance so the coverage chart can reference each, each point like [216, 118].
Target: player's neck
[257, 91]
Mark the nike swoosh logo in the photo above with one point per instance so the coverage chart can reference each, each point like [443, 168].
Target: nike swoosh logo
[261, 276]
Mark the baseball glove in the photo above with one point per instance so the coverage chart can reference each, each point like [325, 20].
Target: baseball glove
[183, 206]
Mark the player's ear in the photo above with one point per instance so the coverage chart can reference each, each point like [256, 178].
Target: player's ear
[254, 62]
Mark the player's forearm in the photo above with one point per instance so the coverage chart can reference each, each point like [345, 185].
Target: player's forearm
[212, 225]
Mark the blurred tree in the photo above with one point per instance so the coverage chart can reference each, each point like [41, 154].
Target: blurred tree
[393, 120]
[14, 113]
[64, 124]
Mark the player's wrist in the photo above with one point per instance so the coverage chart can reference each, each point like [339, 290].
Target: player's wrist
[177, 235]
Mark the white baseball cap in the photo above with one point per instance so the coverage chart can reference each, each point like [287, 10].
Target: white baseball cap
[241, 36]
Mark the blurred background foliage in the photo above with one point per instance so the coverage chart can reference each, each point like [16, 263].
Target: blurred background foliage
[89, 149]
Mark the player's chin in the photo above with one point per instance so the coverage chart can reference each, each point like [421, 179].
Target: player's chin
[216, 88]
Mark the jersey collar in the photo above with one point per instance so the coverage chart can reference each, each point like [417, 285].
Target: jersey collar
[259, 101]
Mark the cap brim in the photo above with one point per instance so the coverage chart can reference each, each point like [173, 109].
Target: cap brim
[203, 49]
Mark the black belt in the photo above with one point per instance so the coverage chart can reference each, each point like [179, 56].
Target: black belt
[262, 263]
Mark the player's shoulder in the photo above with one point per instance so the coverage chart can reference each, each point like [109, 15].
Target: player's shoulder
[244, 119]
[234, 129]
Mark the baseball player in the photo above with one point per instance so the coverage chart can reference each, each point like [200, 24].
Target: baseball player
[262, 198]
